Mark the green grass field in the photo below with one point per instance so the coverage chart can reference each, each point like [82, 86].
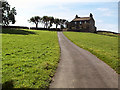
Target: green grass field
[29, 58]
[104, 47]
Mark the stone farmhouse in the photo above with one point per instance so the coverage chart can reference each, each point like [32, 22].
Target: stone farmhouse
[82, 24]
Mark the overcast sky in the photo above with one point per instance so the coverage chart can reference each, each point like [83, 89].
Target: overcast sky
[105, 12]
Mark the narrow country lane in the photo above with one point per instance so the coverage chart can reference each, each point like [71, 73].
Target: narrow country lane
[79, 68]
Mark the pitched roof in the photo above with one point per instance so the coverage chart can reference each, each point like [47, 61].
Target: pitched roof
[82, 19]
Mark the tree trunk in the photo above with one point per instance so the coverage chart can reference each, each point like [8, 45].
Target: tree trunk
[56, 26]
[36, 25]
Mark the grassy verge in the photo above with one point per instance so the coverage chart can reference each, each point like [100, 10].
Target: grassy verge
[108, 34]
[104, 47]
[29, 58]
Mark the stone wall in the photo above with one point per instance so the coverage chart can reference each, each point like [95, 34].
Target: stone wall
[83, 26]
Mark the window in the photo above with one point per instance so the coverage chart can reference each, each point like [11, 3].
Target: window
[80, 22]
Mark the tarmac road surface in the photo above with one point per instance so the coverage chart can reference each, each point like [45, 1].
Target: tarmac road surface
[79, 68]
